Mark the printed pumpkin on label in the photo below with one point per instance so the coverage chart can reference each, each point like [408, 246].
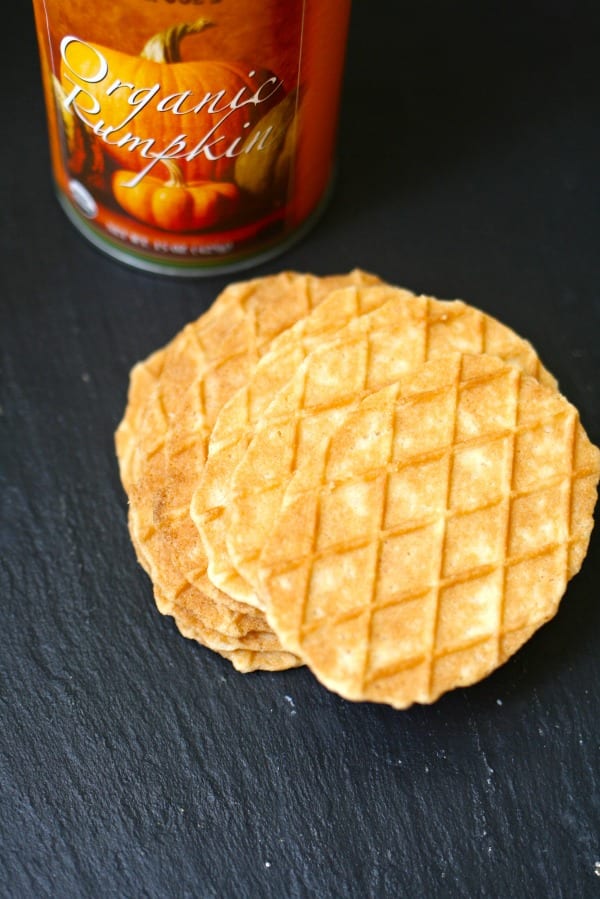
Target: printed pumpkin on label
[175, 205]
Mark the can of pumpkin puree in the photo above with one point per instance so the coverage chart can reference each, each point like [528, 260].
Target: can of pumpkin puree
[192, 136]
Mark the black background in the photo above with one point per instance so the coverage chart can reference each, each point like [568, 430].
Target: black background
[136, 763]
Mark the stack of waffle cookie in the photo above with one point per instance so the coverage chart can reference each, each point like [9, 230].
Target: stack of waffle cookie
[336, 472]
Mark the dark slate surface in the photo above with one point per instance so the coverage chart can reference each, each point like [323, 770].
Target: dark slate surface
[135, 763]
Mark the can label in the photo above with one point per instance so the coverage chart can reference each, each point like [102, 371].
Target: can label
[192, 134]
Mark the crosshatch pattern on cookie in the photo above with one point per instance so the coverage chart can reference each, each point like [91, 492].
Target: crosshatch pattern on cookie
[330, 382]
[398, 598]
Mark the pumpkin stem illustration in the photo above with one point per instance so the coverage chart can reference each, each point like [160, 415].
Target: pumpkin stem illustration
[176, 178]
[166, 46]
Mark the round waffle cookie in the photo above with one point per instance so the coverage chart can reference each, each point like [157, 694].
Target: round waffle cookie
[372, 351]
[173, 401]
[434, 531]
[234, 426]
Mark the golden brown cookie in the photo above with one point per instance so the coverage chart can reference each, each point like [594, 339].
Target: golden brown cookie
[433, 533]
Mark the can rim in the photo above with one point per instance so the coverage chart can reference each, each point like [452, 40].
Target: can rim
[194, 269]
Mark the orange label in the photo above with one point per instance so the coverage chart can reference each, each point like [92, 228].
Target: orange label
[192, 133]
